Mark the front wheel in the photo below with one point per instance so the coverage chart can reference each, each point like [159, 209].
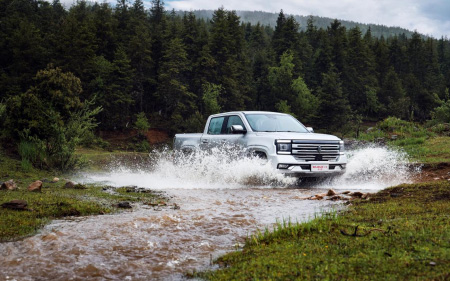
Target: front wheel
[259, 154]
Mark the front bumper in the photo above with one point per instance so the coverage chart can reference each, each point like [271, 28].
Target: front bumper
[288, 165]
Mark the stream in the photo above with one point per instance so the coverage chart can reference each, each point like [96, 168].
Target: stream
[221, 202]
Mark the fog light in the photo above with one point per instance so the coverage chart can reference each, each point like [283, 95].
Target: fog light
[343, 166]
[283, 166]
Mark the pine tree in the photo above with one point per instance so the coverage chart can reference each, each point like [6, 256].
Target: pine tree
[117, 100]
[77, 45]
[360, 77]
[226, 45]
[158, 24]
[334, 110]
[140, 53]
[177, 102]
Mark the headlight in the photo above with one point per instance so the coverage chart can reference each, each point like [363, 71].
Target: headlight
[341, 146]
[284, 146]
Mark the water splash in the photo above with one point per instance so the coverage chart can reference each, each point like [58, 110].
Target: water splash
[374, 167]
[371, 167]
[218, 168]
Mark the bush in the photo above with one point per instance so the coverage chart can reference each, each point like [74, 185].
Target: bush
[440, 114]
[143, 146]
[141, 125]
[49, 120]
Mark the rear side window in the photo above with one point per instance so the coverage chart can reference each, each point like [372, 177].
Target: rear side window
[233, 120]
[215, 126]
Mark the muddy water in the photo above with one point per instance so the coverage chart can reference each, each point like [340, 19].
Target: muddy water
[219, 207]
[152, 244]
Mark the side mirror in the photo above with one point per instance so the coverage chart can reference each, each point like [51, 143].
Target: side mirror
[238, 129]
[310, 129]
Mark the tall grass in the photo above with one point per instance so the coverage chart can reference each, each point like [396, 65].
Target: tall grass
[31, 153]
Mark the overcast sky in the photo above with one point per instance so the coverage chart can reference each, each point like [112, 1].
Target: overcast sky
[430, 17]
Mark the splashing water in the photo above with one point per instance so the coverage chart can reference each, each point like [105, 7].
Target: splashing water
[369, 168]
[374, 168]
[218, 168]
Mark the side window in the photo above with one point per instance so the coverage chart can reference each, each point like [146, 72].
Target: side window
[233, 120]
[215, 126]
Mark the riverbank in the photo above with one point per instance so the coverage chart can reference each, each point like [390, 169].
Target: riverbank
[399, 233]
[56, 199]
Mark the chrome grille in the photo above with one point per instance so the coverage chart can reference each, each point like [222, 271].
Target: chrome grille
[315, 151]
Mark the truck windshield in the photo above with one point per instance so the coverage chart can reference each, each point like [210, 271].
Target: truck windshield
[275, 123]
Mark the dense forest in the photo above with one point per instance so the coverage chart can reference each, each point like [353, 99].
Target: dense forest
[63, 72]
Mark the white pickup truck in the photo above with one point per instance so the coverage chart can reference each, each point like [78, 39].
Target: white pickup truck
[291, 148]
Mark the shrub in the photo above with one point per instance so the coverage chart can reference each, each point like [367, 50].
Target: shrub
[440, 114]
[141, 125]
[49, 120]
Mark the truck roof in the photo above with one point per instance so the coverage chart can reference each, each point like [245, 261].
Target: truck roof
[248, 112]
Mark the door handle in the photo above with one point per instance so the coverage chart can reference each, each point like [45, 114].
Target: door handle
[204, 141]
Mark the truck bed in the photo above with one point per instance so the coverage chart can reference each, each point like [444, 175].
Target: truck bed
[187, 141]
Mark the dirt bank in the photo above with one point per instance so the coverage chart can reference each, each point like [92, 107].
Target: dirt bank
[434, 172]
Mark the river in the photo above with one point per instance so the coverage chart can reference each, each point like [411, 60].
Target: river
[221, 201]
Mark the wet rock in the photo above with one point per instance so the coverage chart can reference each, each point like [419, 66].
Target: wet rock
[74, 185]
[432, 263]
[356, 194]
[175, 206]
[335, 198]
[124, 205]
[45, 180]
[316, 197]
[331, 192]
[381, 141]
[69, 184]
[346, 192]
[55, 179]
[365, 196]
[9, 185]
[16, 205]
[35, 186]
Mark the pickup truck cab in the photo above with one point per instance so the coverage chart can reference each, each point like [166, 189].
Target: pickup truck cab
[291, 148]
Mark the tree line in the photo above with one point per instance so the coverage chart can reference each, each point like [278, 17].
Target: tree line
[177, 69]
[268, 18]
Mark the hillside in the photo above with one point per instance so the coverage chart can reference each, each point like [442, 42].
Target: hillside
[266, 18]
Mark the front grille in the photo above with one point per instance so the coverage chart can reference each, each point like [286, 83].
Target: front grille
[320, 151]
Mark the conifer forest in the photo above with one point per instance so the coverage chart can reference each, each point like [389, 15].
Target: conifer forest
[102, 65]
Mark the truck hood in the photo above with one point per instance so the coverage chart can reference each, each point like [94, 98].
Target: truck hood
[298, 136]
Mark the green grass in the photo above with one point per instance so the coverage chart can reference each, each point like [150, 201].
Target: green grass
[427, 150]
[423, 145]
[402, 234]
[54, 201]
[96, 159]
